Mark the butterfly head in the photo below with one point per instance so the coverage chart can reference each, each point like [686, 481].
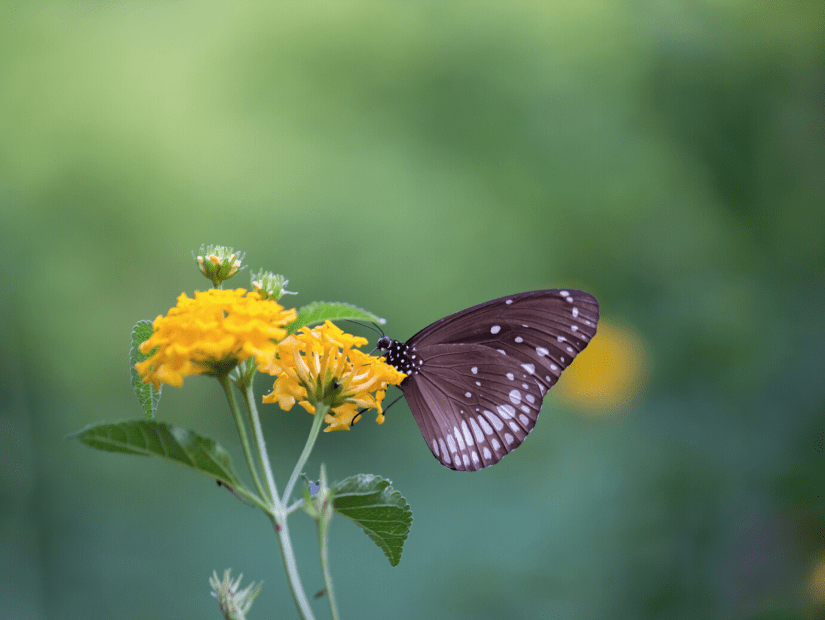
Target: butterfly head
[383, 343]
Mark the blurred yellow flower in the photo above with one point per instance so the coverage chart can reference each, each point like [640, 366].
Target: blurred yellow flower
[321, 365]
[210, 334]
[816, 582]
[608, 373]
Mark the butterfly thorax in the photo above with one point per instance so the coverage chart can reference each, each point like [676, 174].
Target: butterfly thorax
[399, 355]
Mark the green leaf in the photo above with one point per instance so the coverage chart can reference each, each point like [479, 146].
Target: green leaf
[171, 443]
[320, 311]
[148, 396]
[378, 509]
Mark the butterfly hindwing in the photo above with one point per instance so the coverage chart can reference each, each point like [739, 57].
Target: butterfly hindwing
[472, 404]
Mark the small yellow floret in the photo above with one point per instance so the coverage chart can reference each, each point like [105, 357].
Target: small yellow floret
[211, 334]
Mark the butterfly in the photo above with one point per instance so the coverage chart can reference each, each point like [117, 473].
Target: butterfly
[476, 379]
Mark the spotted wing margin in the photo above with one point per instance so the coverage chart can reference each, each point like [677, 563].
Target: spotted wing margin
[469, 426]
[542, 331]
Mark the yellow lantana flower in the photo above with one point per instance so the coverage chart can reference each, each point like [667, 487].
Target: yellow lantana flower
[211, 334]
[322, 365]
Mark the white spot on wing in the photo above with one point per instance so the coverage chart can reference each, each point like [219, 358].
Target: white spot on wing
[468, 436]
[487, 454]
[474, 370]
[509, 438]
[524, 419]
[575, 312]
[494, 442]
[487, 428]
[451, 443]
[529, 368]
[506, 411]
[495, 329]
[511, 376]
[477, 430]
[502, 351]
[553, 367]
[519, 339]
[444, 449]
[542, 352]
[466, 460]
[564, 293]
[475, 458]
[458, 438]
[467, 394]
[530, 398]
[515, 397]
[435, 447]
[508, 302]
[494, 419]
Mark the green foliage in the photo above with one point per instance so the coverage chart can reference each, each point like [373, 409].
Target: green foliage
[378, 509]
[320, 311]
[171, 443]
[148, 396]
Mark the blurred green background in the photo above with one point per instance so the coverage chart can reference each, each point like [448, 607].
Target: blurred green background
[416, 158]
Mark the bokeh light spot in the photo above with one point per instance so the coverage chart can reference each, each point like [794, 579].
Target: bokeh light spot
[610, 372]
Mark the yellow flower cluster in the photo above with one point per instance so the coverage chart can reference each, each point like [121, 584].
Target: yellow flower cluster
[211, 333]
[322, 365]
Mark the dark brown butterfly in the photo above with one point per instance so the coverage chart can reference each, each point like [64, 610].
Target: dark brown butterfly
[476, 379]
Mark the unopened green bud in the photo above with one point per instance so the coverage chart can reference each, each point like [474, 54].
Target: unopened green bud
[270, 285]
[219, 263]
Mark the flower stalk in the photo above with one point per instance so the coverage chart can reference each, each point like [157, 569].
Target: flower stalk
[320, 413]
[247, 449]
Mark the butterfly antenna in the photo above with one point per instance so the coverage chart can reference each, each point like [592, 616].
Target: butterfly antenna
[373, 327]
[358, 415]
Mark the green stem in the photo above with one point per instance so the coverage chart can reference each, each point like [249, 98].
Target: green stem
[278, 514]
[323, 538]
[257, 433]
[295, 506]
[291, 567]
[320, 413]
[247, 450]
[323, 531]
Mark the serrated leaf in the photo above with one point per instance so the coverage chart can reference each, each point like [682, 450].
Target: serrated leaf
[378, 509]
[320, 311]
[148, 396]
[165, 441]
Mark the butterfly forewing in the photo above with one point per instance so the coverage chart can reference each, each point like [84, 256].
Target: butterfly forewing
[472, 404]
[476, 378]
[542, 330]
